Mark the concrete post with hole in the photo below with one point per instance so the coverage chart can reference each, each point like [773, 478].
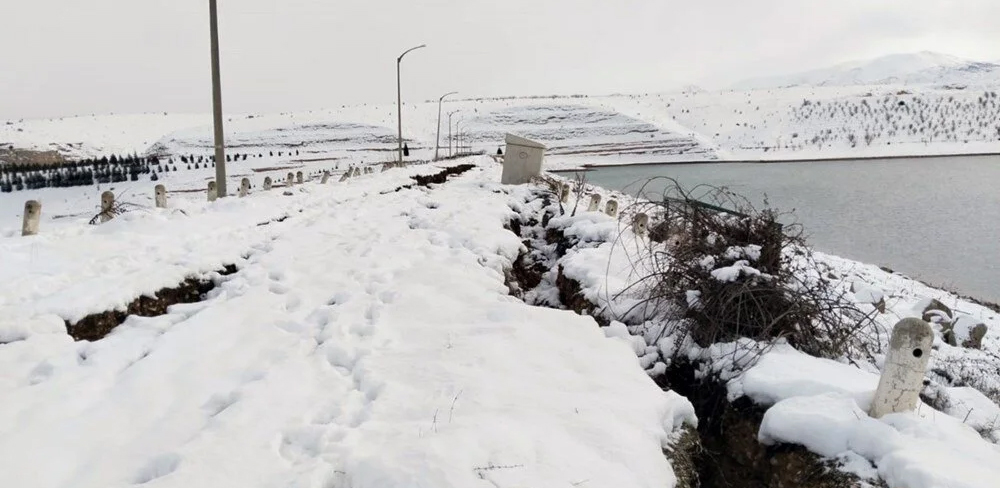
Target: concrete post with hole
[595, 203]
[160, 195]
[522, 160]
[268, 183]
[213, 193]
[290, 179]
[903, 372]
[298, 177]
[612, 208]
[640, 224]
[244, 187]
[326, 177]
[107, 206]
[32, 216]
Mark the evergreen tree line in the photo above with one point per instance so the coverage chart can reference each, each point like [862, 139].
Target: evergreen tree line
[113, 169]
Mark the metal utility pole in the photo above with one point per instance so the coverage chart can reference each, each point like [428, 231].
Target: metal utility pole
[449, 131]
[399, 97]
[437, 142]
[220, 143]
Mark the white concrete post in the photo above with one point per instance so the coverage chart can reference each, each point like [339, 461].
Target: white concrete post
[903, 372]
[595, 202]
[32, 215]
[357, 172]
[290, 180]
[244, 187]
[160, 194]
[564, 192]
[268, 183]
[107, 204]
[345, 176]
[298, 177]
[640, 223]
[612, 208]
[212, 193]
[522, 160]
[326, 177]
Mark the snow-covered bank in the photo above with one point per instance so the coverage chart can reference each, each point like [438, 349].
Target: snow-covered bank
[366, 341]
[820, 404]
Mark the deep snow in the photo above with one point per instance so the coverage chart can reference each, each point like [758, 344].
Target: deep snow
[367, 341]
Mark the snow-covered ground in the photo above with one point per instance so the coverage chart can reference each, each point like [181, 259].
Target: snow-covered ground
[819, 403]
[791, 123]
[367, 340]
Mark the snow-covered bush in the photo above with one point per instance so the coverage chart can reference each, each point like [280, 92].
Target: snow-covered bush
[726, 271]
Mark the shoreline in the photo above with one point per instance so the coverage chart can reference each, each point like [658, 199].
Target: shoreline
[590, 166]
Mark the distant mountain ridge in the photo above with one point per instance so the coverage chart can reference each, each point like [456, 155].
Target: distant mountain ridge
[924, 68]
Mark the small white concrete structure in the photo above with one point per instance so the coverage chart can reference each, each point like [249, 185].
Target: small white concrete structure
[160, 194]
[357, 172]
[32, 215]
[903, 372]
[640, 224]
[213, 193]
[595, 202]
[326, 177]
[522, 160]
[268, 183]
[244, 187]
[564, 192]
[298, 177]
[290, 179]
[346, 175]
[612, 208]
[107, 204]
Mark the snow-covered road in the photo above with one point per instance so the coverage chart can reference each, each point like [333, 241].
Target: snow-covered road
[367, 341]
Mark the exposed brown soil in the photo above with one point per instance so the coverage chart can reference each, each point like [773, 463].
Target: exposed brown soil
[97, 326]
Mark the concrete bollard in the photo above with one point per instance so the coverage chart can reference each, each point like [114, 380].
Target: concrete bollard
[290, 179]
[213, 193]
[326, 177]
[32, 215]
[903, 372]
[244, 187]
[611, 208]
[268, 183]
[160, 194]
[298, 177]
[107, 205]
[564, 192]
[345, 176]
[640, 224]
[595, 202]
[357, 172]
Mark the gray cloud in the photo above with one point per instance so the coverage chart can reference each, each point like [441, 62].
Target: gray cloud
[67, 57]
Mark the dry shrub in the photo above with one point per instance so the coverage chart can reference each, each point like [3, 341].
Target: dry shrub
[721, 270]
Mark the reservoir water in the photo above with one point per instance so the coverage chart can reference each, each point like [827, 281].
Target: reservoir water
[935, 219]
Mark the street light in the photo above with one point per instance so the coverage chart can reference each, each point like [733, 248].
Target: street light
[399, 97]
[220, 143]
[449, 130]
[458, 136]
[437, 141]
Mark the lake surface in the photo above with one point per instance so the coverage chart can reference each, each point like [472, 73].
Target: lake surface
[936, 219]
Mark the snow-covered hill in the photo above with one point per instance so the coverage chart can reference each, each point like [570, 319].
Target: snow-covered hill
[896, 69]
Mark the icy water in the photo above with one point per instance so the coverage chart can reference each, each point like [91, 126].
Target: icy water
[936, 219]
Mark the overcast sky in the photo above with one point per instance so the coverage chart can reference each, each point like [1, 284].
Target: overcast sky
[66, 57]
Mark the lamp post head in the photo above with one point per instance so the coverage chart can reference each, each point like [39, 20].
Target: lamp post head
[447, 95]
[400, 58]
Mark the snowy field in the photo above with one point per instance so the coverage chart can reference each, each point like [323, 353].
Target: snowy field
[366, 341]
[804, 122]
